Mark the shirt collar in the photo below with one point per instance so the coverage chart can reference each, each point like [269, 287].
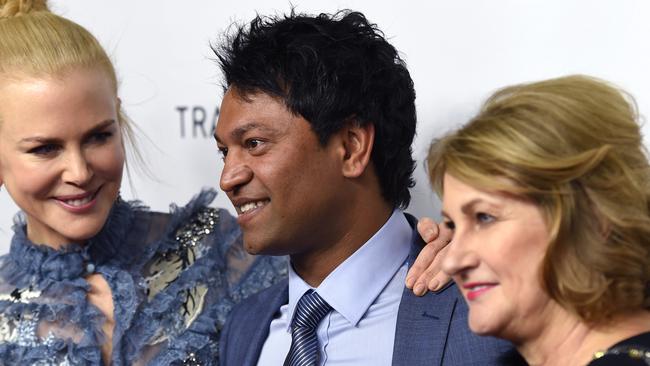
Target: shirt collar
[355, 284]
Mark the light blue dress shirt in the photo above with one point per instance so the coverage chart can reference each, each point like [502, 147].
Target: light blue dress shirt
[364, 292]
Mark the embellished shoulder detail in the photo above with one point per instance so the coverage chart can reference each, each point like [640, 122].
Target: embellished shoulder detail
[183, 273]
[166, 267]
[201, 225]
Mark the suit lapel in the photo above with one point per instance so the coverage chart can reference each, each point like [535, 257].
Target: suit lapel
[422, 322]
[422, 328]
[262, 315]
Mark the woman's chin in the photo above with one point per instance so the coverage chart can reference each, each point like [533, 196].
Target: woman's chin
[481, 330]
[76, 235]
[484, 325]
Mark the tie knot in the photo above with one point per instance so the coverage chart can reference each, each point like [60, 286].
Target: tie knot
[310, 310]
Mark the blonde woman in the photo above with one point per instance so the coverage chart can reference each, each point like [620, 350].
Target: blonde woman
[91, 279]
[547, 191]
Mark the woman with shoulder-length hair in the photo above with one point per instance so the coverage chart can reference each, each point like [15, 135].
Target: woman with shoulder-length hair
[547, 191]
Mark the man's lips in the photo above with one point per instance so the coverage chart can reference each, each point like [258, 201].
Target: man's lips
[476, 289]
[249, 205]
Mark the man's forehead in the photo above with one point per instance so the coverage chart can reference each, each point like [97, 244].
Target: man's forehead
[235, 125]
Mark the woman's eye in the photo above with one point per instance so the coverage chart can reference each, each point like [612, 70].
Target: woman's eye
[484, 218]
[44, 150]
[101, 137]
[450, 224]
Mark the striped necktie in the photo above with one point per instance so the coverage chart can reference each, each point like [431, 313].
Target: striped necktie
[311, 309]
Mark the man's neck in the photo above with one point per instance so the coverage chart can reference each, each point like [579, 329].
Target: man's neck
[314, 265]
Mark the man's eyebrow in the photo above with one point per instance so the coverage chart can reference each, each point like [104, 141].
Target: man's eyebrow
[238, 132]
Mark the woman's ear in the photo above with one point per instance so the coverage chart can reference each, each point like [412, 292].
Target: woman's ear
[357, 141]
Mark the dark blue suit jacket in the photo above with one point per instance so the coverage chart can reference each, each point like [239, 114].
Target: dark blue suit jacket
[431, 330]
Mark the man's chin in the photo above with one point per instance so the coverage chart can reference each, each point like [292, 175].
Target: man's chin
[252, 249]
[263, 247]
[254, 245]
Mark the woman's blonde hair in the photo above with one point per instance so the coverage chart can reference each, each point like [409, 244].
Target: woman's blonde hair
[573, 146]
[37, 43]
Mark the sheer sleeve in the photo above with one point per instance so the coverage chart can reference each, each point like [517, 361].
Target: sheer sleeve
[195, 280]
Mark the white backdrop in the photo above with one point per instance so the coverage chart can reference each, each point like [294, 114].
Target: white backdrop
[457, 51]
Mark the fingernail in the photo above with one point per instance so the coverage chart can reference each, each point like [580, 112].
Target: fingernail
[430, 233]
[419, 289]
[433, 285]
[409, 282]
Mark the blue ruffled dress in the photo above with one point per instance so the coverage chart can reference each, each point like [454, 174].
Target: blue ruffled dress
[174, 278]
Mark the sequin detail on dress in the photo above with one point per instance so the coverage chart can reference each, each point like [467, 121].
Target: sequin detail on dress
[634, 353]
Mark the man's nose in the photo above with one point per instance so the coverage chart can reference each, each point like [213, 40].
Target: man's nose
[234, 175]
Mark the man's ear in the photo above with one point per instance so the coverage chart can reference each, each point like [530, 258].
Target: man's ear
[357, 142]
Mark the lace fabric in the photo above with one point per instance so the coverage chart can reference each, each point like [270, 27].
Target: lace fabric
[174, 278]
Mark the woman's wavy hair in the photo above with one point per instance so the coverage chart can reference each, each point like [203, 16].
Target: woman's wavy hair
[573, 146]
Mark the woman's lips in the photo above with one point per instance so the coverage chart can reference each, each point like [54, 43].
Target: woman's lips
[79, 203]
[476, 289]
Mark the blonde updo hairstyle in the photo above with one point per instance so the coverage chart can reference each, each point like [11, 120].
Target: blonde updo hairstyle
[37, 43]
[572, 146]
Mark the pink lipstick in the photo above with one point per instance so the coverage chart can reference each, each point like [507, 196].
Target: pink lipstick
[78, 203]
[476, 289]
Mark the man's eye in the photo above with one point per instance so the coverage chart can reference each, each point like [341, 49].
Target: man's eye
[252, 143]
[484, 218]
[223, 152]
[43, 150]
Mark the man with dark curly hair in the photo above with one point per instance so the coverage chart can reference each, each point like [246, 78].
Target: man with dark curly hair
[316, 128]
